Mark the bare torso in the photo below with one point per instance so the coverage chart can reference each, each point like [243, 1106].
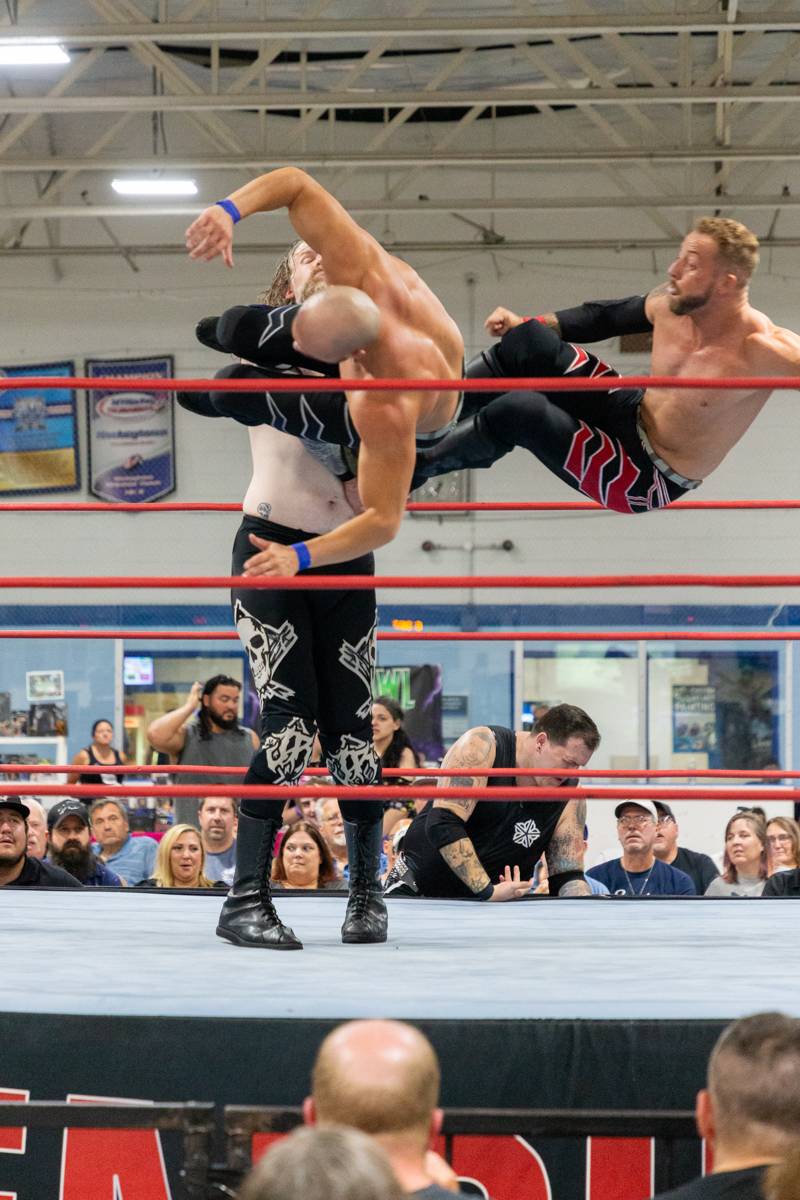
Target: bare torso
[693, 430]
[418, 340]
[290, 487]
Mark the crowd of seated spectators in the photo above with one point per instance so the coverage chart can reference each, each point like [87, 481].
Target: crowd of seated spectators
[99, 843]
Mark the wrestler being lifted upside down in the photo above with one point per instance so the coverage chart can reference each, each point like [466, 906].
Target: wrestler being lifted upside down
[376, 318]
[633, 451]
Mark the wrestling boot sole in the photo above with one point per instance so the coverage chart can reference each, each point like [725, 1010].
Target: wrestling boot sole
[259, 935]
[366, 926]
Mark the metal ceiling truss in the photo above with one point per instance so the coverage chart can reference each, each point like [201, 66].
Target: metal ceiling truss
[593, 95]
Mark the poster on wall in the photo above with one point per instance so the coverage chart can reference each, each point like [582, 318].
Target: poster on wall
[44, 685]
[38, 434]
[694, 718]
[131, 433]
[418, 691]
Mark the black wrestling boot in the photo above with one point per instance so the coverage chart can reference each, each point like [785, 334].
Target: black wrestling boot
[248, 916]
[469, 444]
[366, 919]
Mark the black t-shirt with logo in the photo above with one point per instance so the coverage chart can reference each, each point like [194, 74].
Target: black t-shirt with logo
[505, 833]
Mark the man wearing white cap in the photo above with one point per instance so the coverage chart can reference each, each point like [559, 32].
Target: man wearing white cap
[638, 872]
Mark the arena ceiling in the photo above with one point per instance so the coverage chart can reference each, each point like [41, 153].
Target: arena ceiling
[517, 123]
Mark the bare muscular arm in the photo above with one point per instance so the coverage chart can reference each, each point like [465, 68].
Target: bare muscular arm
[473, 750]
[318, 218]
[565, 852]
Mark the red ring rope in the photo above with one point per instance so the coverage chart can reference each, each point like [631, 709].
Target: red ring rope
[405, 773]
[603, 383]
[426, 506]
[367, 582]
[522, 635]
[287, 792]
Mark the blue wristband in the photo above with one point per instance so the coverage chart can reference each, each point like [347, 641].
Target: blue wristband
[303, 555]
[230, 209]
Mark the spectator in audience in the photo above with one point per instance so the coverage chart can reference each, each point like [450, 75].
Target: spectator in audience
[395, 749]
[37, 828]
[332, 828]
[782, 1182]
[699, 867]
[180, 861]
[99, 753]
[744, 867]
[305, 807]
[17, 868]
[215, 739]
[304, 860]
[71, 848]
[132, 858]
[782, 883]
[393, 842]
[638, 872]
[218, 816]
[322, 1164]
[383, 1077]
[783, 845]
[749, 1112]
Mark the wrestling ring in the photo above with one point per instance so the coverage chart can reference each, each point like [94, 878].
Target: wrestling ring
[608, 985]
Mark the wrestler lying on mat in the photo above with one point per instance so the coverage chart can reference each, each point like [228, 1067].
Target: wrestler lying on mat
[377, 319]
[633, 450]
[487, 849]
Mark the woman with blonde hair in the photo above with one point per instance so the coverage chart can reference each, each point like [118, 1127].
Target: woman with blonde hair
[744, 867]
[181, 860]
[783, 845]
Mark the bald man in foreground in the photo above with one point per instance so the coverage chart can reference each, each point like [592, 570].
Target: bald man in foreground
[382, 1077]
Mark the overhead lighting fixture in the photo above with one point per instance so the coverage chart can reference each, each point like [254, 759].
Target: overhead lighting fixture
[32, 54]
[154, 187]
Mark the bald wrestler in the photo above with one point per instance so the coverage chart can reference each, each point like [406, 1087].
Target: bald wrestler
[634, 451]
[404, 332]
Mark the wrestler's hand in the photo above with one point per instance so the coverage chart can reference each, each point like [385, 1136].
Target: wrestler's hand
[510, 886]
[501, 320]
[211, 235]
[272, 559]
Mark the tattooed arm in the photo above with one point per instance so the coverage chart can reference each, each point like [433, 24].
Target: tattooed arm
[565, 853]
[446, 824]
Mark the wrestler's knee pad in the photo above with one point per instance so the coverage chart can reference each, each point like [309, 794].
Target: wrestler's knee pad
[285, 751]
[351, 758]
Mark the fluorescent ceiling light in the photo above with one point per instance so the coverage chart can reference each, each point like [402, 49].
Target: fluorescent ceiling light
[154, 187]
[32, 54]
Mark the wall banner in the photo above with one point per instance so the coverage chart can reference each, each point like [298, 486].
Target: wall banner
[694, 718]
[132, 433]
[38, 435]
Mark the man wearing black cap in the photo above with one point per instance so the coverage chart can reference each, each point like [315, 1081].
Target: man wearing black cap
[699, 867]
[70, 845]
[17, 869]
[638, 872]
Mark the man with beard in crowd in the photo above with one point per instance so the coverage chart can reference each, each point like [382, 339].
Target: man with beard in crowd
[70, 845]
[215, 739]
[17, 867]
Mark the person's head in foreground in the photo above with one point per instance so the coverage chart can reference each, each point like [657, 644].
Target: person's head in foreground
[382, 1077]
[750, 1110]
[322, 1164]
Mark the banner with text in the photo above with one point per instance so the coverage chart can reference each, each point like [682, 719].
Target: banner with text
[418, 691]
[38, 435]
[131, 433]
